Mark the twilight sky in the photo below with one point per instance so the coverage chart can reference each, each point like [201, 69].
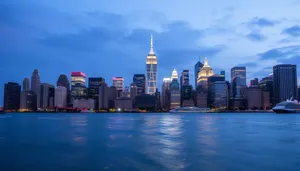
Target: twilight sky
[111, 38]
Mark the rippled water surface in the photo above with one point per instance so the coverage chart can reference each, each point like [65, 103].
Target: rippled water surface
[149, 142]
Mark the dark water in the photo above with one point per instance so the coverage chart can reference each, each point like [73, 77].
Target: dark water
[149, 142]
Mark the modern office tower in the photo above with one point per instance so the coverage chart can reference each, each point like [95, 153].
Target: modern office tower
[201, 96]
[93, 89]
[12, 93]
[217, 92]
[140, 81]
[28, 101]
[64, 82]
[205, 72]
[126, 92]
[198, 67]
[238, 81]
[175, 93]
[186, 95]
[254, 97]
[47, 92]
[157, 101]
[254, 82]
[112, 96]
[133, 90]
[174, 75]
[103, 98]
[285, 82]
[26, 84]
[151, 64]
[78, 86]
[166, 93]
[145, 102]
[60, 96]
[266, 84]
[184, 81]
[35, 81]
[118, 82]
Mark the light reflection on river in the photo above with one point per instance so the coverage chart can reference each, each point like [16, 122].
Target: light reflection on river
[147, 142]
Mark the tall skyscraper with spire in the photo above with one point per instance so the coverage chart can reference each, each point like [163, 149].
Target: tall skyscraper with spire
[151, 66]
[35, 81]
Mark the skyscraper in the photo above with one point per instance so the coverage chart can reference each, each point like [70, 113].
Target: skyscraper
[151, 65]
[28, 101]
[174, 75]
[64, 82]
[184, 78]
[175, 93]
[238, 81]
[205, 72]
[166, 98]
[198, 67]
[78, 87]
[12, 93]
[26, 86]
[140, 81]
[184, 86]
[285, 82]
[47, 92]
[93, 89]
[103, 98]
[35, 81]
[118, 83]
[133, 90]
[60, 97]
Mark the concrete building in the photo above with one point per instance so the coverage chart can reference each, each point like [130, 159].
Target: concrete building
[254, 82]
[133, 90]
[118, 82]
[103, 100]
[124, 104]
[218, 97]
[205, 72]
[35, 84]
[186, 95]
[285, 82]
[151, 69]
[266, 100]
[28, 101]
[26, 86]
[60, 96]
[64, 82]
[140, 81]
[202, 97]
[266, 84]
[78, 86]
[145, 102]
[84, 103]
[46, 96]
[238, 81]
[254, 98]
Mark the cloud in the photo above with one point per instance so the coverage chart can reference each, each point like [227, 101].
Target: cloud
[249, 64]
[293, 31]
[261, 22]
[256, 37]
[281, 53]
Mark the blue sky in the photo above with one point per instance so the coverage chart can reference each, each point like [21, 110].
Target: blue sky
[111, 38]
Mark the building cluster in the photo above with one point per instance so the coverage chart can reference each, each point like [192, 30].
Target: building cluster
[210, 90]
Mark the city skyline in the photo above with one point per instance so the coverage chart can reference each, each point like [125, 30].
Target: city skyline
[257, 41]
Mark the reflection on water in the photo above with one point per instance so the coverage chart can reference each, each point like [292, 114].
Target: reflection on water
[150, 142]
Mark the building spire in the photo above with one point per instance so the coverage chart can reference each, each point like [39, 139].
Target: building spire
[151, 45]
[206, 62]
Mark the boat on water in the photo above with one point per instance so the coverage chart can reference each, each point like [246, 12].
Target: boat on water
[190, 110]
[289, 106]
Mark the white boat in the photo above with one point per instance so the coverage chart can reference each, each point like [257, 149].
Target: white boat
[289, 106]
[189, 110]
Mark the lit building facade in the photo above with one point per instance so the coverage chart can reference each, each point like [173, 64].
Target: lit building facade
[205, 72]
[140, 81]
[78, 85]
[12, 94]
[151, 70]
[118, 82]
[174, 75]
[197, 69]
[175, 94]
[285, 82]
[60, 96]
[238, 81]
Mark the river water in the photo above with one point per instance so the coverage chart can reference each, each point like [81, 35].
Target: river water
[149, 142]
